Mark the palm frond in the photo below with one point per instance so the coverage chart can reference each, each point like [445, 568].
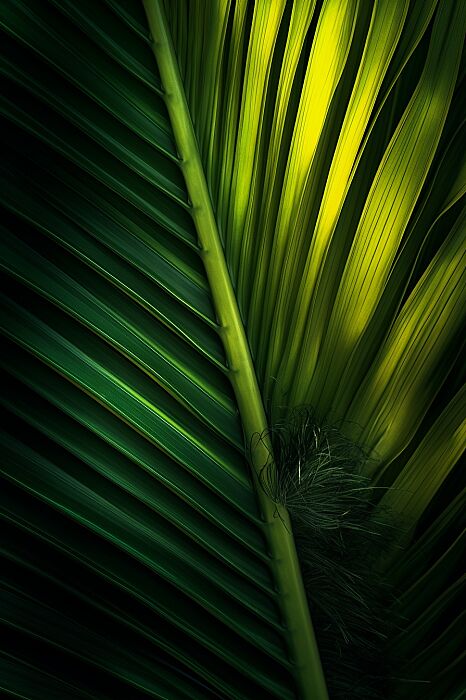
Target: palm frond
[270, 213]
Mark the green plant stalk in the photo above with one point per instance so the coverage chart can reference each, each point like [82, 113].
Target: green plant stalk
[304, 653]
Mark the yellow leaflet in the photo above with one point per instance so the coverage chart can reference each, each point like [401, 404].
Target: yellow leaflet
[384, 31]
[229, 118]
[424, 473]
[398, 389]
[264, 30]
[389, 206]
[326, 62]
[255, 244]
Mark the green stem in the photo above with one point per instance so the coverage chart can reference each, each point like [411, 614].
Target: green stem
[301, 640]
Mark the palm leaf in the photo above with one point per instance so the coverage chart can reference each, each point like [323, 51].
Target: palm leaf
[298, 165]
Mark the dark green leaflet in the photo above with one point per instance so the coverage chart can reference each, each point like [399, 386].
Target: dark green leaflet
[135, 563]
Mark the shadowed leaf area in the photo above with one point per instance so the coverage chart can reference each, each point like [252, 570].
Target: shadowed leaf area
[318, 475]
[216, 215]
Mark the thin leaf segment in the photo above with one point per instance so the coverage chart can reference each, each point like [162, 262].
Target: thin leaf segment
[301, 640]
